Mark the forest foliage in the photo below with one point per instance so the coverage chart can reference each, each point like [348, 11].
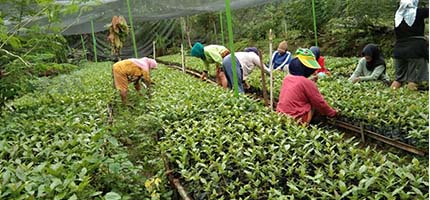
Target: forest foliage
[343, 27]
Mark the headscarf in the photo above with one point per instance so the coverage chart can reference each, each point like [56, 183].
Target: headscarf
[316, 51]
[282, 47]
[252, 49]
[407, 11]
[299, 69]
[145, 63]
[198, 51]
[377, 59]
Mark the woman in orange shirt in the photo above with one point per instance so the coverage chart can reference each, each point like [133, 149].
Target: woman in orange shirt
[132, 70]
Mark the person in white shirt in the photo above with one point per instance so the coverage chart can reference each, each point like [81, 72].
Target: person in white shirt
[245, 64]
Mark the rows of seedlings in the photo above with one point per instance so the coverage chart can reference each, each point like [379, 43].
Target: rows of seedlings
[400, 115]
[60, 143]
[227, 147]
[71, 139]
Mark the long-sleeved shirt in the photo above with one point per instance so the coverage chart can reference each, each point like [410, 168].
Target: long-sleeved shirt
[124, 69]
[279, 62]
[299, 96]
[365, 75]
[248, 61]
[213, 55]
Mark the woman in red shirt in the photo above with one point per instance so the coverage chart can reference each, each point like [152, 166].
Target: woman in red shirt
[320, 59]
[299, 96]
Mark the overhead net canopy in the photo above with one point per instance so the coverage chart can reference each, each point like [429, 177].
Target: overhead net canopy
[153, 20]
[101, 12]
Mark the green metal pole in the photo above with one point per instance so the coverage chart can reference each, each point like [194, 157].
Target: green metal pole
[182, 43]
[231, 44]
[94, 41]
[132, 29]
[84, 48]
[222, 30]
[315, 22]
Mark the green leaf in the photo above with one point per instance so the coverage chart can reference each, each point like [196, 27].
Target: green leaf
[112, 196]
[417, 191]
[362, 169]
[292, 186]
[114, 167]
[342, 187]
[113, 141]
[416, 162]
[15, 42]
[396, 191]
[5, 177]
[82, 173]
[369, 182]
[73, 197]
[410, 176]
[55, 183]
[60, 196]
[96, 193]
[20, 174]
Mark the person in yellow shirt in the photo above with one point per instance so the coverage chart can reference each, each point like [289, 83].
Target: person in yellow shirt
[212, 54]
[132, 70]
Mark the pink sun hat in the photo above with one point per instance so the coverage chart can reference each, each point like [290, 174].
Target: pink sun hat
[145, 63]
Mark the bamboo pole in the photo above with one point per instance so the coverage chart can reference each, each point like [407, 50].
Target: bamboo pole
[94, 41]
[263, 79]
[315, 22]
[183, 27]
[231, 45]
[153, 49]
[130, 16]
[187, 31]
[182, 57]
[271, 69]
[83, 47]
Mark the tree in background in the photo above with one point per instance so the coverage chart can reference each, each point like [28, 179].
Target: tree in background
[344, 27]
[25, 50]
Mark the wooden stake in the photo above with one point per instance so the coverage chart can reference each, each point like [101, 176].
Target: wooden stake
[182, 58]
[153, 49]
[271, 69]
[263, 79]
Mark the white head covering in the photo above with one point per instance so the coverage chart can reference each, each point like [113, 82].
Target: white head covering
[407, 11]
[145, 63]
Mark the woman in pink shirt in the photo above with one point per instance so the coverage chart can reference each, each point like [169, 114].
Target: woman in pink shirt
[299, 96]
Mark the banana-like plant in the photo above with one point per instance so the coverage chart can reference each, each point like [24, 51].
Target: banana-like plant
[118, 32]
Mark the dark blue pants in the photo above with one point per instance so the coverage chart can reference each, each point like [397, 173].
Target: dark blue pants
[227, 65]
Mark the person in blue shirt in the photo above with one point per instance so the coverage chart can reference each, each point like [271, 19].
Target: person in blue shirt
[281, 58]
